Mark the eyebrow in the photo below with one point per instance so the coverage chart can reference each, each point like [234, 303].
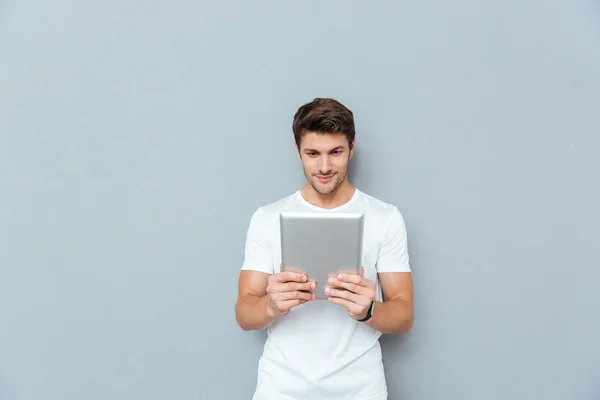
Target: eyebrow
[334, 149]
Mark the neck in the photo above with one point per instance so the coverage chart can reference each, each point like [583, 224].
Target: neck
[338, 197]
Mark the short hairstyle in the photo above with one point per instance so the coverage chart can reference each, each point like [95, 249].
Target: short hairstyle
[323, 115]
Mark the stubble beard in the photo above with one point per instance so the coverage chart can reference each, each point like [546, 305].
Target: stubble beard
[330, 187]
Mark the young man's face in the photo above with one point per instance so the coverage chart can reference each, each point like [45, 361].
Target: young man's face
[325, 160]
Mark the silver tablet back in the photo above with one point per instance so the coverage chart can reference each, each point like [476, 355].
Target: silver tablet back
[321, 244]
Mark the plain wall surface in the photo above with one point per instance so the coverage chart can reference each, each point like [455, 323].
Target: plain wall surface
[137, 138]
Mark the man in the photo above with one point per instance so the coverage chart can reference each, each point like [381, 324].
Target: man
[318, 349]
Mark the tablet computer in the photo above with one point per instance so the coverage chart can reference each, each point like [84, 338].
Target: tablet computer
[321, 244]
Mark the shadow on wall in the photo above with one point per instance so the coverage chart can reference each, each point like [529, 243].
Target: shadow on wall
[394, 347]
[355, 170]
[360, 172]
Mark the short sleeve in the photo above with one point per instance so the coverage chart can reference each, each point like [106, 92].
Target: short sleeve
[393, 253]
[258, 254]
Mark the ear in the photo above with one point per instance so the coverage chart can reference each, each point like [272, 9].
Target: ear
[352, 148]
[297, 151]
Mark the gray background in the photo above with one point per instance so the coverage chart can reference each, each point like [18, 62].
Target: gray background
[138, 137]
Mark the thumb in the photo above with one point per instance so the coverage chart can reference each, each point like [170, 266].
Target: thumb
[362, 272]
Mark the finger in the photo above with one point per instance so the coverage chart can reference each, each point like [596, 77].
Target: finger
[356, 279]
[306, 286]
[291, 269]
[290, 287]
[346, 295]
[350, 306]
[362, 272]
[289, 304]
[296, 295]
[352, 287]
[290, 276]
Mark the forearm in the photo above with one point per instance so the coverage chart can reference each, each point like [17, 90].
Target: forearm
[394, 316]
[251, 313]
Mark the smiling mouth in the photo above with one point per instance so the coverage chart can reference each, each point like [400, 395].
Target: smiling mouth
[325, 178]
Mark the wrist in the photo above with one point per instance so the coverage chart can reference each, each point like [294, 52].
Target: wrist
[267, 309]
[369, 313]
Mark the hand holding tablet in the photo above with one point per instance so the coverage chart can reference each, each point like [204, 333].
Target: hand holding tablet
[355, 292]
[321, 245]
[286, 290]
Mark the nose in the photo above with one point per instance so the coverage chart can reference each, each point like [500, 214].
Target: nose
[325, 165]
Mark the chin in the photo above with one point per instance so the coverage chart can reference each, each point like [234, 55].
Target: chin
[324, 190]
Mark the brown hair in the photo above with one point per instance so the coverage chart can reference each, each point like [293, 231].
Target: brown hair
[323, 115]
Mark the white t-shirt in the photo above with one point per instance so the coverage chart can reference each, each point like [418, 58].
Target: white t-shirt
[318, 351]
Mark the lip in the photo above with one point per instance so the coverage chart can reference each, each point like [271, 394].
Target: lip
[324, 178]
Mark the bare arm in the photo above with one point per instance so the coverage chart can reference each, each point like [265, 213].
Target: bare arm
[250, 310]
[263, 297]
[396, 314]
